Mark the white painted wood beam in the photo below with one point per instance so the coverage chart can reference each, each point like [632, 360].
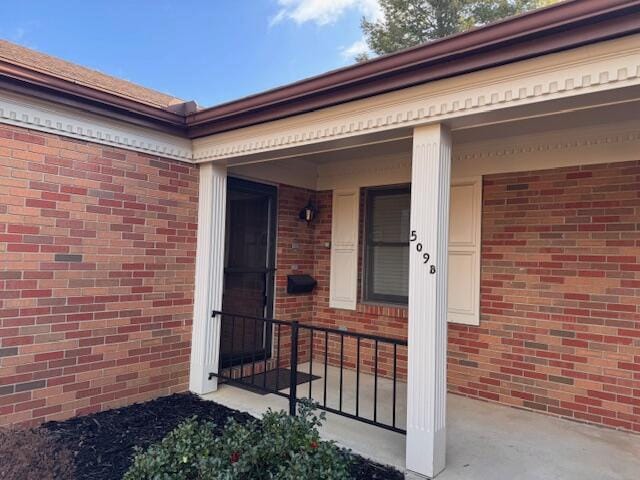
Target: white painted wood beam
[205, 342]
[427, 365]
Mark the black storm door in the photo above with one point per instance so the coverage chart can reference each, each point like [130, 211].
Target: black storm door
[249, 270]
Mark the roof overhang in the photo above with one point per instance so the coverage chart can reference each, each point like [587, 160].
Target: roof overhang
[22, 80]
[554, 29]
[560, 27]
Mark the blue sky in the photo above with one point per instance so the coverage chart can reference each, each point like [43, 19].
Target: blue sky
[209, 51]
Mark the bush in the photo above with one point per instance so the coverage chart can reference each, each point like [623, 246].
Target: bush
[33, 454]
[278, 447]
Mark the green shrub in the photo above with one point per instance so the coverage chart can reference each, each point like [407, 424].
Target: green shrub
[278, 447]
[177, 456]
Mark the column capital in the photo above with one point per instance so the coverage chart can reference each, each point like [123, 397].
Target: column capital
[434, 132]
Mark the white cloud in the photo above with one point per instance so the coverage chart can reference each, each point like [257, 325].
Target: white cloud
[356, 48]
[323, 12]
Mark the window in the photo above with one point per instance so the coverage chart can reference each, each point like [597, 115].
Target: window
[386, 272]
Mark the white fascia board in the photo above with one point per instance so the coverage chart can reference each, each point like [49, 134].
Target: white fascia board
[34, 114]
[591, 69]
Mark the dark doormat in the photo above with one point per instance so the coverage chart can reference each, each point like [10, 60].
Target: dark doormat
[277, 379]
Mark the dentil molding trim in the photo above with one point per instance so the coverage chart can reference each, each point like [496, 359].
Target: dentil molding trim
[29, 113]
[596, 144]
[618, 142]
[590, 69]
[599, 67]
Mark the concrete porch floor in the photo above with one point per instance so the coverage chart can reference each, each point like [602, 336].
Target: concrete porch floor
[484, 441]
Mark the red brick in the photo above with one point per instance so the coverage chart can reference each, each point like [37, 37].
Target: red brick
[22, 247]
[33, 202]
[28, 229]
[48, 290]
[36, 293]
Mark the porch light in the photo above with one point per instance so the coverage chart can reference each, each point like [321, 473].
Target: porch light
[308, 213]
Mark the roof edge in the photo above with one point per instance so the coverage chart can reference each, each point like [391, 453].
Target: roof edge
[23, 80]
[558, 27]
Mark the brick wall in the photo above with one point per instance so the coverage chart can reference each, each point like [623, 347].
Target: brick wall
[97, 253]
[295, 250]
[294, 255]
[560, 325]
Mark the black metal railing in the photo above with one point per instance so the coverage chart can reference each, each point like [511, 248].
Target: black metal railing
[360, 362]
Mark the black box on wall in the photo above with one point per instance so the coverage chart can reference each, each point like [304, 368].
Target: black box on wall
[300, 283]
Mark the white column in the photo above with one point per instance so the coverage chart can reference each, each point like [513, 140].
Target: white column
[427, 368]
[205, 337]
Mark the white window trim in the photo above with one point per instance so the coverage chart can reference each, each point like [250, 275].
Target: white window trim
[364, 266]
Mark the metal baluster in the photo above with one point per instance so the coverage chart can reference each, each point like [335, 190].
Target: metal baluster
[375, 385]
[244, 331]
[233, 338]
[279, 326]
[358, 377]
[341, 367]
[326, 360]
[293, 376]
[253, 352]
[310, 363]
[395, 375]
[265, 327]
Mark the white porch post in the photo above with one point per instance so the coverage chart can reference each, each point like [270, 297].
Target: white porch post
[205, 339]
[427, 367]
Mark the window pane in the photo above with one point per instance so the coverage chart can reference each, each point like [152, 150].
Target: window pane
[248, 229]
[390, 271]
[390, 212]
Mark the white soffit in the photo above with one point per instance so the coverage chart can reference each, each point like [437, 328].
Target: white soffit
[586, 145]
[528, 147]
[591, 69]
[27, 112]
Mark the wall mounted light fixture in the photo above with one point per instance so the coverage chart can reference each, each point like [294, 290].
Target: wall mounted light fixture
[308, 213]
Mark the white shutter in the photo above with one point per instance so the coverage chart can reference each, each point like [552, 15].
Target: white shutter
[343, 287]
[464, 250]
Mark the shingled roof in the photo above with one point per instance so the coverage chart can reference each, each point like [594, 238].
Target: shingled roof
[41, 62]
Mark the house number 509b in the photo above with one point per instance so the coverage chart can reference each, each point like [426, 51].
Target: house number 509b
[425, 255]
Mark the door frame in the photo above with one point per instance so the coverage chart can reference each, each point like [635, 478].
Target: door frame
[236, 183]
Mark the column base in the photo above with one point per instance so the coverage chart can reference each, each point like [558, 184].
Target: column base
[200, 383]
[409, 475]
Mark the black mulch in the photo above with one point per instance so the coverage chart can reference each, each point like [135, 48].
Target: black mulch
[103, 443]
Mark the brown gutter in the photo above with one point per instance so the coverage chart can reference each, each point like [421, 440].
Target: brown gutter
[560, 27]
[48, 87]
